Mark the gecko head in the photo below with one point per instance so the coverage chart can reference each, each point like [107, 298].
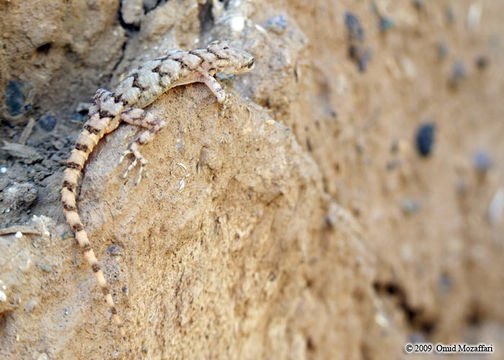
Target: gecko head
[230, 59]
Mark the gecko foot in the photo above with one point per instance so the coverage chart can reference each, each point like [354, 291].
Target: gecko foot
[138, 158]
[225, 105]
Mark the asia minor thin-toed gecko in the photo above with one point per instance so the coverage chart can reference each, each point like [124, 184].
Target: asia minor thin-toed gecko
[140, 88]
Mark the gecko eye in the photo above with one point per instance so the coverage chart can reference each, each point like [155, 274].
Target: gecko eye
[250, 64]
[225, 48]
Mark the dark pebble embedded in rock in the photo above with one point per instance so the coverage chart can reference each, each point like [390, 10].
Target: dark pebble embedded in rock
[482, 62]
[458, 73]
[115, 250]
[47, 122]
[355, 31]
[482, 161]
[14, 98]
[418, 4]
[425, 139]
[442, 50]
[386, 24]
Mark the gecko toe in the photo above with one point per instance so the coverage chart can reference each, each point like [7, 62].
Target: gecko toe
[138, 159]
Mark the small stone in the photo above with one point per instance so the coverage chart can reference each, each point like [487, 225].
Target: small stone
[14, 98]
[47, 122]
[115, 250]
[237, 24]
[458, 73]
[442, 50]
[425, 139]
[277, 24]
[65, 312]
[386, 24]
[418, 4]
[445, 283]
[18, 235]
[20, 196]
[482, 161]
[132, 12]
[45, 267]
[30, 305]
[409, 206]
[3, 297]
[353, 25]
[449, 15]
[330, 221]
[482, 62]
[43, 356]
[3, 170]
[496, 207]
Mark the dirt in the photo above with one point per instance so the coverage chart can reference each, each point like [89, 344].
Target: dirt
[348, 202]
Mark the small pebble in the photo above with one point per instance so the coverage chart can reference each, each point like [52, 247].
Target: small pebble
[330, 221]
[115, 250]
[442, 50]
[449, 15]
[445, 283]
[20, 196]
[277, 24]
[458, 73]
[482, 161]
[3, 297]
[18, 235]
[43, 356]
[30, 305]
[496, 207]
[14, 98]
[355, 31]
[482, 62]
[3, 169]
[237, 24]
[65, 312]
[386, 24]
[418, 4]
[409, 206]
[47, 122]
[45, 267]
[425, 139]
[132, 12]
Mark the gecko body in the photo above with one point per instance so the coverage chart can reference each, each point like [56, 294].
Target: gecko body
[139, 89]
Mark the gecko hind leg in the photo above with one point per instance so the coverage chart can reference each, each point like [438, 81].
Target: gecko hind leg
[142, 118]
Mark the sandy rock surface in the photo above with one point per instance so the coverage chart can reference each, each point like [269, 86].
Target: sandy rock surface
[348, 201]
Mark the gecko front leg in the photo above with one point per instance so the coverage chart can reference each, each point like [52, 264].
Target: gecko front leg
[139, 117]
[216, 89]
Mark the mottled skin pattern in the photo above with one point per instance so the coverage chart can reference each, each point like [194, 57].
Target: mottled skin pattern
[140, 88]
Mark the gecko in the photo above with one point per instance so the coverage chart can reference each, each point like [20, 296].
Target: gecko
[137, 90]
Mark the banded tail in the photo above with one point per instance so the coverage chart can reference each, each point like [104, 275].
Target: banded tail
[95, 128]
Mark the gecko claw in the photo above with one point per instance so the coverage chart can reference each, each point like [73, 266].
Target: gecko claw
[138, 157]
